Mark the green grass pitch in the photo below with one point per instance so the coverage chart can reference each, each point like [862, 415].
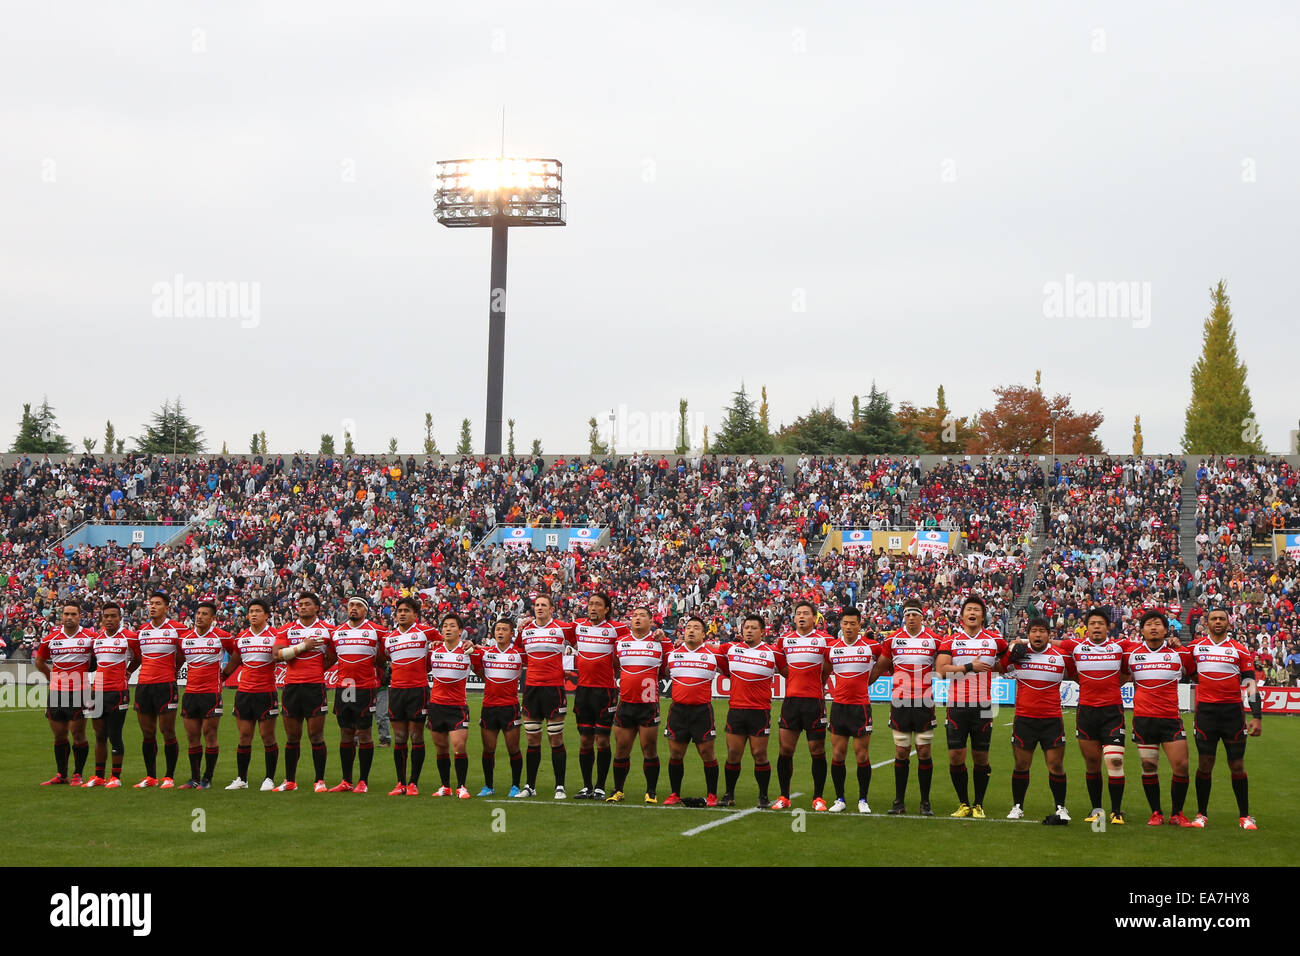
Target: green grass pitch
[48, 826]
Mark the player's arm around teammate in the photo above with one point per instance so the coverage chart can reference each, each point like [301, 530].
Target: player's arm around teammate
[255, 700]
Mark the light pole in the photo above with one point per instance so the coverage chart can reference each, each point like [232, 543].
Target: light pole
[1054, 418]
[499, 193]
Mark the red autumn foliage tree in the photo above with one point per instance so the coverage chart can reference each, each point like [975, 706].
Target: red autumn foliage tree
[1020, 423]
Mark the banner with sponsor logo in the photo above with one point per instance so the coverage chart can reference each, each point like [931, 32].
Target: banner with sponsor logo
[582, 537]
[856, 538]
[929, 542]
[517, 537]
[1280, 700]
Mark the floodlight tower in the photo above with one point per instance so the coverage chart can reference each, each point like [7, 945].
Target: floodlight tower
[499, 193]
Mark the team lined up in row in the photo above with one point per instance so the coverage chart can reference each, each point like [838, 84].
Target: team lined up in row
[619, 666]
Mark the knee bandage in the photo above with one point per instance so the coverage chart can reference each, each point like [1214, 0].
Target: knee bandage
[555, 727]
[532, 726]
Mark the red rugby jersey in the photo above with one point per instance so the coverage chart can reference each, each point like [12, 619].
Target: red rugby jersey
[501, 670]
[851, 667]
[450, 669]
[543, 646]
[913, 660]
[805, 656]
[1155, 678]
[973, 690]
[640, 665]
[595, 646]
[355, 648]
[1038, 677]
[751, 670]
[158, 647]
[203, 659]
[409, 652]
[693, 672]
[257, 665]
[1220, 670]
[113, 653]
[69, 657]
[306, 668]
[1098, 667]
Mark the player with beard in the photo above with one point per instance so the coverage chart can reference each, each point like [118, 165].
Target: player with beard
[1224, 671]
[64, 657]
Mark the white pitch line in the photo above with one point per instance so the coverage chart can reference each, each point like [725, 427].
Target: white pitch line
[727, 819]
[886, 763]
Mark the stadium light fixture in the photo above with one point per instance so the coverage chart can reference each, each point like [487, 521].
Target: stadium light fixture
[499, 193]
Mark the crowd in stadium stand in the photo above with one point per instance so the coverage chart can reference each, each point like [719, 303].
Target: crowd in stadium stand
[1240, 504]
[708, 535]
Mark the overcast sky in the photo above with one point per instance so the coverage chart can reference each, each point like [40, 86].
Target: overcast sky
[807, 199]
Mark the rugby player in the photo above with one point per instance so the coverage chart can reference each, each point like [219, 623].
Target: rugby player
[543, 640]
[64, 656]
[307, 646]
[201, 706]
[407, 647]
[254, 658]
[804, 708]
[155, 689]
[692, 666]
[852, 658]
[356, 645]
[640, 659]
[450, 663]
[1038, 669]
[1156, 668]
[1224, 670]
[1099, 720]
[911, 651]
[596, 698]
[751, 664]
[500, 664]
[117, 654]
[969, 656]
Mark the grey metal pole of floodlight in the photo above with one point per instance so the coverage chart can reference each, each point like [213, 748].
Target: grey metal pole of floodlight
[499, 193]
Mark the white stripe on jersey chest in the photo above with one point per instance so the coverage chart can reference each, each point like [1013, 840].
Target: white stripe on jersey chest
[157, 641]
[596, 640]
[749, 664]
[111, 651]
[202, 650]
[692, 665]
[356, 644]
[852, 659]
[256, 650]
[448, 665]
[502, 665]
[639, 655]
[1155, 667]
[1041, 667]
[407, 647]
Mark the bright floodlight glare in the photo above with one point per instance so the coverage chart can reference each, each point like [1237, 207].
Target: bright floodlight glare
[525, 192]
